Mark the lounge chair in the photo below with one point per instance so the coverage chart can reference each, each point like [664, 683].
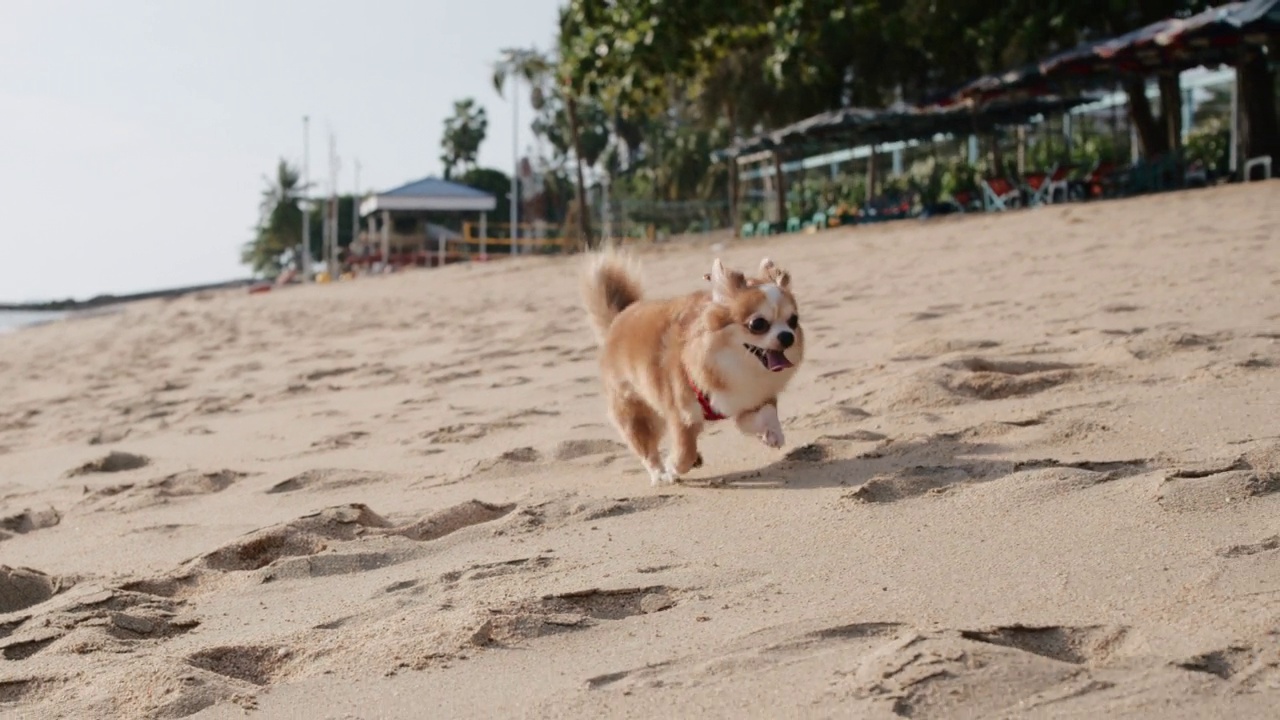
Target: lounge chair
[1043, 187]
[1101, 181]
[1000, 194]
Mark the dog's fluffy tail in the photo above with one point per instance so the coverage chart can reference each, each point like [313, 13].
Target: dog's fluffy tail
[609, 286]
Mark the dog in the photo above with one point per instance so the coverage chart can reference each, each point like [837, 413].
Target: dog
[671, 366]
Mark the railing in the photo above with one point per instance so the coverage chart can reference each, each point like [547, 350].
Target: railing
[495, 242]
[532, 239]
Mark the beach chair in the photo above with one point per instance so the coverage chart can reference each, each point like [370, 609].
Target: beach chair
[1262, 163]
[966, 200]
[1100, 182]
[1043, 187]
[999, 194]
[748, 229]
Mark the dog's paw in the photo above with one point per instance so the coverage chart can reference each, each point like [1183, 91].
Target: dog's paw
[773, 437]
[662, 476]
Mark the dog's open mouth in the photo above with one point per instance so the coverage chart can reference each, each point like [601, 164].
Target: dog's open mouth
[772, 360]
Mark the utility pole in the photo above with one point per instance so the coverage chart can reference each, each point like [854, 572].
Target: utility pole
[305, 257]
[355, 205]
[335, 163]
[515, 160]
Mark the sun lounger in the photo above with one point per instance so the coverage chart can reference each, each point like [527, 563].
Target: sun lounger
[1000, 194]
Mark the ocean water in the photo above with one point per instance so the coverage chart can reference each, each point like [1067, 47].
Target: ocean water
[11, 320]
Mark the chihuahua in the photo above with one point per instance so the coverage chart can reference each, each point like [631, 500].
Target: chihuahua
[670, 366]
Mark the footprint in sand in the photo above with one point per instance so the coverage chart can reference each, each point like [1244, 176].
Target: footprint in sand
[112, 621]
[574, 449]
[1216, 485]
[21, 588]
[114, 462]
[934, 347]
[339, 441]
[294, 549]
[133, 496]
[321, 479]
[1251, 665]
[328, 373]
[1268, 545]
[254, 664]
[466, 432]
[988, 379]
[1154, 346]
[518, 460]
[567, 612]
[28, 521]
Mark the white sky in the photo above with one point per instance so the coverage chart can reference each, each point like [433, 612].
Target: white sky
[134, 134]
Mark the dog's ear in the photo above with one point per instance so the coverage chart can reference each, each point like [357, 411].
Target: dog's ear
[770, 271]
[724, 282]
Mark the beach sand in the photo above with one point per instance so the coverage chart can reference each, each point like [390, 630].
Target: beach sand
[1033, 470]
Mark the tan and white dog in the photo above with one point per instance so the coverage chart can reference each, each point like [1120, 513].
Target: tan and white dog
[670, 366]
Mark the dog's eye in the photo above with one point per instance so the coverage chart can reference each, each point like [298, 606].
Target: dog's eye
[793, 321]
[759, 326]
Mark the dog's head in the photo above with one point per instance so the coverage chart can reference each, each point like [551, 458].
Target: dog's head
[758, 314]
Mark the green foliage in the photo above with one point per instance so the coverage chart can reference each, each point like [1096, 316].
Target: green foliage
[925, 178]
[674, 78]
[494, 182]
[463, 134]
[279, 231]
[552, 124]
[1210, 144]
[958, 176]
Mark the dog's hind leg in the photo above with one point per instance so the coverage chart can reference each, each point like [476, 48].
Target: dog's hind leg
[641, 427]
[684, 448]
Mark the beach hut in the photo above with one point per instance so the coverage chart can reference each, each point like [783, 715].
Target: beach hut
[398, 217]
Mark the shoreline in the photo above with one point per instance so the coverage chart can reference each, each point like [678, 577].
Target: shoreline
[98, 301]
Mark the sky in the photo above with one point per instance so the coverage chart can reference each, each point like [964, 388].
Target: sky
[137, 133]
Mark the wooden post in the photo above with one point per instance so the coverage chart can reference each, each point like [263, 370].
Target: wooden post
[872, 178]
[1171, 109]
[781, 183]
[1022, 150]
[734, 220]
[1233, 152]
[386, 238]
[484, 236]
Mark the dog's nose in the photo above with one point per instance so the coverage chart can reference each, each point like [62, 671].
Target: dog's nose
[786, 338]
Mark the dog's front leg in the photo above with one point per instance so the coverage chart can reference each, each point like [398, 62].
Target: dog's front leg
[763, 423]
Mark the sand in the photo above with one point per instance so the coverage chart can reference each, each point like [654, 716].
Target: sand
[1033, 470]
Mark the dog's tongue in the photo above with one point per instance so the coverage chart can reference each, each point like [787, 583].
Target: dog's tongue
[777, 361]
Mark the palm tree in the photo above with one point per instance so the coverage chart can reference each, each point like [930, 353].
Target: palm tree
[463, 134]
[538, 70]
[279, 231]
[533, 67]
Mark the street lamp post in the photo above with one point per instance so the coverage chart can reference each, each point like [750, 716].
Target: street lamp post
[515, 161]
[306, 201]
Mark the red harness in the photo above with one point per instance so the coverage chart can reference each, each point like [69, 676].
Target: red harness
[709, 413]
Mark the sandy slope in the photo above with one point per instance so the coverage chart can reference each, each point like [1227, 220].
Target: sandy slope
[1032, 470]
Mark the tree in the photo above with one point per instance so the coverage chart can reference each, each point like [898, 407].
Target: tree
[279, 231]
[463, 134]
[552, 124]
[539, 70]
[494, 182]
